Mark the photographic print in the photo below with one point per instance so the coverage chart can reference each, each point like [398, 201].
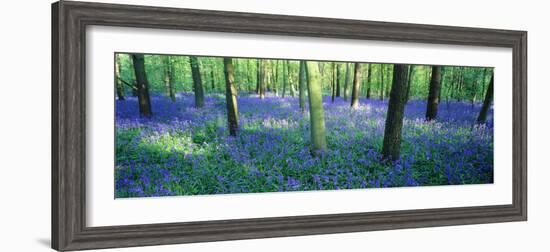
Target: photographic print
[203, 125]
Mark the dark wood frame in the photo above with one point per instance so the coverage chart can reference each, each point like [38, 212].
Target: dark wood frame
[69, 21]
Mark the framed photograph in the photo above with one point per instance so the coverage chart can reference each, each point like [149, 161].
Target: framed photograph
[177, 125]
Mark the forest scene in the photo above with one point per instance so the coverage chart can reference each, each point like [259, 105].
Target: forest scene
[196, 125]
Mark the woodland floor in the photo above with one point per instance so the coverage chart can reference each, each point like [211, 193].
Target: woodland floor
[187, 151]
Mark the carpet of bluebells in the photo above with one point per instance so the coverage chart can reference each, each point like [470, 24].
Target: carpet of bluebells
[182, 150]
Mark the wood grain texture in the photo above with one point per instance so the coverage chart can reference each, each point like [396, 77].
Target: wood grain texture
[69, 21]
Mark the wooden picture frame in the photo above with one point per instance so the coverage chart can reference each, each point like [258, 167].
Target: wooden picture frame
[69, 20]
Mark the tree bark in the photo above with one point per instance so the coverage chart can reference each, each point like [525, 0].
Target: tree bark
[142, 86]
[118, 81]
[460, 85]
[433, 96]
[346, 82]
[355, 86]
[382, 82]
[277, 78]
[369, 81]
[197, 82]
[482, 118]
[338, 79]
[409, 82]
[212, 80]
[231, 97]
[261, 80]
[284, 78]
[168, 79]
[302, 84]
[333, 81]
[268, 75]
[394, 119]
[258, 75]
[290, 80]
[388, 76]
[316, 112]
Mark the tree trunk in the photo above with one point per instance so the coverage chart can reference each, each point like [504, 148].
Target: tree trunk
[433, 96]
[284, 79]
[197, 82]
[118, 81]
[261, 80]
[258, 75]
[289, 77]
[269, 75]
[142, 86]
[355, 86]
[486, 102]
[346, 82]
[382, 82]
[302, 84]
[460, 85]
[333, 81]
[473, 93]
[168, 79]
[409, 82]
[394, 118]
[389, 79]
[231, 97]
[338, 79]
[369, 81]
[449, 75]
[456, 79]
[316, 112]
[277, 78]
[212, 79]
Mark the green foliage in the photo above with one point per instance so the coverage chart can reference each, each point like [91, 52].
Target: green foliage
[466, 84]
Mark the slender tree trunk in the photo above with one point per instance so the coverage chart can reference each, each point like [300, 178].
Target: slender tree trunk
[456, 79]
[303, 79]
[197, 82]
[486, 102]
[338, 79]
[142, 86]
[249, 76]
[449, 75]
[261, 79]
[290, 80]
[212, 81]
[460, 85]
[433, 96]
[355, 86]
[284, 78]
[168, 78]
[118, 81]
[231, 97]
[473, 93]
[277, 78]
[203, 75]
[410, 82]
[394, 119]
[258, 75]
[369, 81]
[346, 82]
[442, 83]
[133, 80]
[382, 82]
[316, 112]
[333, 81]
[269, 78]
